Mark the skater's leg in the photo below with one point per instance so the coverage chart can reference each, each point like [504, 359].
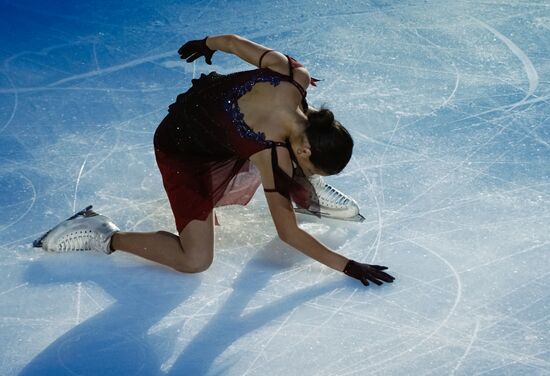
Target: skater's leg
[191, 252]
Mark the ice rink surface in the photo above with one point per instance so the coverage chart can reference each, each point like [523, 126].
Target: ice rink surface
[448, 103]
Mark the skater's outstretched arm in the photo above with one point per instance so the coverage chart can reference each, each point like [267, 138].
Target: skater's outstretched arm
[287, 227]
[245, 49]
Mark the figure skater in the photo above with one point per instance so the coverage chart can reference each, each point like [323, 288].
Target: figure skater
[219, 141]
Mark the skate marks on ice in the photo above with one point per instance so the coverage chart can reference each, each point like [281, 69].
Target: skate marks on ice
[13, 212]
[110, 338]
[414, 208]
[168, 328]
[456, 204]
[238, 315]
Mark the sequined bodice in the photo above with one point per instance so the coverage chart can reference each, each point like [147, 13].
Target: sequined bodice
[204, 147]
[208, 120]
[232, 107]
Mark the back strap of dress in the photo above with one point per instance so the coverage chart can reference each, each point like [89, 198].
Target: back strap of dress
[291, 64]
[262, 57]
[275, 162]
[286, 145]
[279, 143]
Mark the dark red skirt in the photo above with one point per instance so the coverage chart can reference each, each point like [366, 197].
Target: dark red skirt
[190, 189]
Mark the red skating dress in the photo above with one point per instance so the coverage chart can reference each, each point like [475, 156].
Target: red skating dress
[203, 147]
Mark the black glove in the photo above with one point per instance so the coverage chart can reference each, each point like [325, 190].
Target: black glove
[194, 49]
[366, 273]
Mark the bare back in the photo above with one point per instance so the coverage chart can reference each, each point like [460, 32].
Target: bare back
[276, 110]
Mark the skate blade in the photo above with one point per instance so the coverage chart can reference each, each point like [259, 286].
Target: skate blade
[355, 218]
[38, 242]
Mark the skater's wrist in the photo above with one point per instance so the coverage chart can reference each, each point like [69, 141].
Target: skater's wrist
[348, 267]
[222, 43]
[206, 44]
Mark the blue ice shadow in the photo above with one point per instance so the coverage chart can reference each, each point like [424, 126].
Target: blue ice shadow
[114, 341]
[229, 323]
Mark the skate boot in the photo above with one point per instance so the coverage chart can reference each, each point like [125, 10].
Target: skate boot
[333, 203]
[84, 231]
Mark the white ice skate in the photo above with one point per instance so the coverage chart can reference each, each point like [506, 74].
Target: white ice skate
[334, 204]
[84, 231]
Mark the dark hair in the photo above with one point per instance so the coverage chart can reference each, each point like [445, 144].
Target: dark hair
[331, 144]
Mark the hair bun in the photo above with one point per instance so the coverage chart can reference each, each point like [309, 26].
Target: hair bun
[323, 118]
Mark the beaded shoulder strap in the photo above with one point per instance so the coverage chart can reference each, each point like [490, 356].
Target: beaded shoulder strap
[291, 64]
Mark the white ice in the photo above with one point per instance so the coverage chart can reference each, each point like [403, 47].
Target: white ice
[448, 102]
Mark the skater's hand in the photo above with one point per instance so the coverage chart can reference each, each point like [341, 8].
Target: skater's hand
[194, 49]
[366, 273]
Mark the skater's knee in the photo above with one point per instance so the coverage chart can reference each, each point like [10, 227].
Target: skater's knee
[198, 251]
[192, 266]
[195, 261]
[199, 265]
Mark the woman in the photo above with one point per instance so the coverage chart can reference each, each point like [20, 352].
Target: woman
[209, 148]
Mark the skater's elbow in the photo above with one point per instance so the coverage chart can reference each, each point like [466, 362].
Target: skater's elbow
[288, 234]
[287, 229]
[283, 237]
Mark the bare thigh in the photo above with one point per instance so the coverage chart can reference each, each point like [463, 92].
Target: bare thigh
[197, 241]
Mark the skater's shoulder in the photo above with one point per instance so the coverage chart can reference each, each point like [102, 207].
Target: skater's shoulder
[278, 156]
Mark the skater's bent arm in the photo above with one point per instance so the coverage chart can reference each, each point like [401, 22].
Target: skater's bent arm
[248, 51]
[285, 219]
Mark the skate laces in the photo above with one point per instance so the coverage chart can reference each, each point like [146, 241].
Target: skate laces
[334, 196]
[328, 195]
[81, 240]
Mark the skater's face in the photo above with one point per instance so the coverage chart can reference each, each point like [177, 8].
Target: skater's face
[303, 152]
